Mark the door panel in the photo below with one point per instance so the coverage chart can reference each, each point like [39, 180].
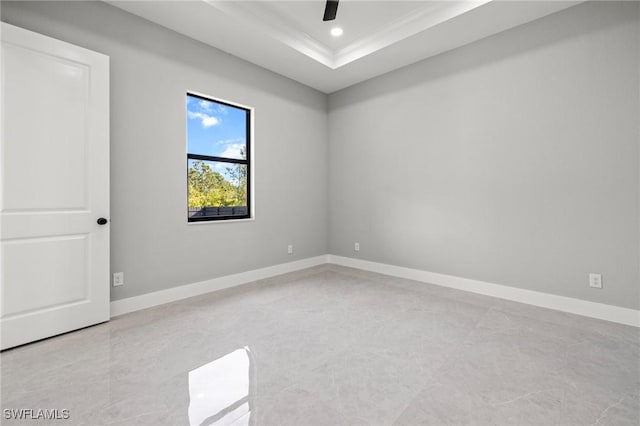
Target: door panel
[54, 175]
[59, 259]
[46, 117]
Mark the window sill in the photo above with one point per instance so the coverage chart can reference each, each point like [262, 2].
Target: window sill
[208, 222]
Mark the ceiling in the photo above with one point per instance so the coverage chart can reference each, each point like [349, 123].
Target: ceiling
[290, 38]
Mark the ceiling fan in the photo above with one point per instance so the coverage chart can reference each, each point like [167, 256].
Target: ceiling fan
[330, 10]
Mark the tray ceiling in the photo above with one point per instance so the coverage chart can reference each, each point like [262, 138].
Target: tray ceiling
[290, 38]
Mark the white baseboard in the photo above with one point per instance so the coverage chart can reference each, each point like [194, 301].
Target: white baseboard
[551, 301]
[135, 303]
[560, 303]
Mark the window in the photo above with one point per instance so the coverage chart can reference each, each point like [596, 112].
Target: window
[218, 160]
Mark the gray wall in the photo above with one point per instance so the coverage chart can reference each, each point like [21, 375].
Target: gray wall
[151, 68]
[512, 160]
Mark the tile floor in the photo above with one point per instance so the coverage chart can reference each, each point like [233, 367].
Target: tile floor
[331, 345]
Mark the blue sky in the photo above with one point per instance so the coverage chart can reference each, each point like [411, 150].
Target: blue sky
[215, 129]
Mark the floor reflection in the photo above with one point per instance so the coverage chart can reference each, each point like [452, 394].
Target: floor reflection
[222, 392]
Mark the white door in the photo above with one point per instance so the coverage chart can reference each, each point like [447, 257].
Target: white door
[54, 186]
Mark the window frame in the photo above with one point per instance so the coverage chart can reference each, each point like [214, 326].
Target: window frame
[248, 162]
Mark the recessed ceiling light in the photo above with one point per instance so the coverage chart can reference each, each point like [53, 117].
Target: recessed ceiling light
[336, 31]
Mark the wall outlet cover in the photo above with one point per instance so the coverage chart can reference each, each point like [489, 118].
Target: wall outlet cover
[595, 280]
[118, 279]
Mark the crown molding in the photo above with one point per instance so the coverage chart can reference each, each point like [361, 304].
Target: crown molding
[263, 16]
[271, 35]
[427, 17]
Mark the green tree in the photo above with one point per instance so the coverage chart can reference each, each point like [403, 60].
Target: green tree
[208, 187]
[238, 175]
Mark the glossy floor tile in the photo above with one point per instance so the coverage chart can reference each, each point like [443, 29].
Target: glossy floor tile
[332, 346]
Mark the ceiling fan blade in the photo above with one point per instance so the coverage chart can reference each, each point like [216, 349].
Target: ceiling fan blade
[330, 10]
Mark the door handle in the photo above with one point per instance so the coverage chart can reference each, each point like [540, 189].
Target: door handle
[102, 221]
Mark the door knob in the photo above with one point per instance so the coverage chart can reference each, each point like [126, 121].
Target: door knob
[102, 221]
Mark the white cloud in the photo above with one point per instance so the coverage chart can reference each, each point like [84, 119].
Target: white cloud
[206, 119]
[221, 109]
[230, 141]
[205, 105]
[233, 150]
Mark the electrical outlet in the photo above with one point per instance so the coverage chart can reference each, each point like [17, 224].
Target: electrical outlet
[118, 279]
[356, 247]
[290, 249]
[595, 280]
